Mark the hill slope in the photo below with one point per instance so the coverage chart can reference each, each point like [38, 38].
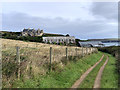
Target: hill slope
[35, 58]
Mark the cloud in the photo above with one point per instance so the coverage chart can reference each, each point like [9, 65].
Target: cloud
[108, 10]
[78, 27]
[82, 20]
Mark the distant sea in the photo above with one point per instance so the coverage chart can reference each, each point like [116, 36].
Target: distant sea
[108, 44]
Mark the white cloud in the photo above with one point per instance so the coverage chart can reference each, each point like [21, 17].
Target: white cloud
[78, 19]
[65, 10]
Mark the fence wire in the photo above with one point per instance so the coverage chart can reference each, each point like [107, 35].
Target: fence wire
[35, 58]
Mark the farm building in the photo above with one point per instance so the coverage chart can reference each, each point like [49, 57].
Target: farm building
[59, 39]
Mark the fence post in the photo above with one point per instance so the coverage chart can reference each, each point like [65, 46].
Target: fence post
[91, 50]
[86, 51]
[82, 52]
[96, 50]
[18, 60]
[50, 59]
[66, 53]
[76, 51]
[36, 44]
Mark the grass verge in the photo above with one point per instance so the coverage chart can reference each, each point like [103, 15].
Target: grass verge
[61, 79]
[110, 75]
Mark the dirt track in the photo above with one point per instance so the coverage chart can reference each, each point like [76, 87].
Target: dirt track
[79, 81]
[98, 77]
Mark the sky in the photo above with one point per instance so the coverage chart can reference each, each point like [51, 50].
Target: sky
[84, 20]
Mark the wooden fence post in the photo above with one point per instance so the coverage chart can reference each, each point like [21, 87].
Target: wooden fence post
[96, 50]
[66, 53]
[50, 59]
[86, 51]
[82, 52]
[76, 51]
[36, 44]
[91, 50]
[18, 60]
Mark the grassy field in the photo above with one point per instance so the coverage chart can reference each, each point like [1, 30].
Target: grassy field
[61, 78]
[35, 66]
[35, 59]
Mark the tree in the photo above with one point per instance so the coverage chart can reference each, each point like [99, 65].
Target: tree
[67, 35]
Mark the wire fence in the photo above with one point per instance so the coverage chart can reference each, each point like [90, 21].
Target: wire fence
[28, 59]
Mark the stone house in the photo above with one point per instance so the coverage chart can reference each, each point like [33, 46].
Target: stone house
[32, 32]
[59, 39]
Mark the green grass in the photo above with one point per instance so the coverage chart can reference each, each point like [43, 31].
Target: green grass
[110, 76]
[89, 80]
[61, 79]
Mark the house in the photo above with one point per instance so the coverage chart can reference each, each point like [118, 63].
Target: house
[32, 32]
[59, 39]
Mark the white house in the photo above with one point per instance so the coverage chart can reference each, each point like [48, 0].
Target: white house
[59, 39]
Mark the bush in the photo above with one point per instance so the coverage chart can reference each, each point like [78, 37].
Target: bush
[111, 50]
[17, 36]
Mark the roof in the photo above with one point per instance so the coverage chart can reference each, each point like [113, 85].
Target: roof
[24, 30]
[72, 37]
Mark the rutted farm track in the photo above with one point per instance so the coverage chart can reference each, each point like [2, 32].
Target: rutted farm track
[99, 75]
[79, 81]
[92, 78]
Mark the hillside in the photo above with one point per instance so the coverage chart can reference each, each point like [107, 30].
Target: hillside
[6, 33]
[35, 58]
[35, 65]
[17, 36]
